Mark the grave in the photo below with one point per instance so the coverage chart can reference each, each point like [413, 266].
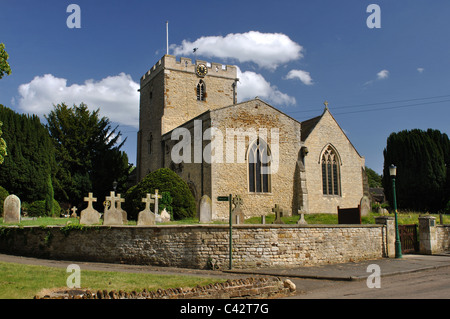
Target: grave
[238, 215]
[165, 216]
[74, 212]
[278, 214]
[112, 216]
[156, 198]
[146, 217]
[11, 209]
[119, 208]
[89, 216]
[302, 220]
[365, 206]
[205, 209]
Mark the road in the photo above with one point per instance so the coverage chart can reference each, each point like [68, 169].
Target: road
[427, 284]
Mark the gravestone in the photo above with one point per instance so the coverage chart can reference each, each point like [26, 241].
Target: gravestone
[302, 220]
[365, 206]
[89, 216]
[74, 212]
[11, 209]
[278, 214]
[119, 208]
[146, 217]
[112, 216]
[165, 216]
[237, 214]
[205, 209]
[156, 198]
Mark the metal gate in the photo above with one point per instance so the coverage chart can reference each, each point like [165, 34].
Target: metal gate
[408, 238]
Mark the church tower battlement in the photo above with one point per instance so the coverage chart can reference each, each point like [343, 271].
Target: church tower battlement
[173, 92]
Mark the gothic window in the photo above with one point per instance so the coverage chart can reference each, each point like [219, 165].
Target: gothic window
[201, 91]
[331, 179]
[259, 167]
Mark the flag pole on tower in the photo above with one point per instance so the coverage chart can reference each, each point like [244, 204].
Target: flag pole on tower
[167, 37]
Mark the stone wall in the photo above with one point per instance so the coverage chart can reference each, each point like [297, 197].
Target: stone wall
[197, 246]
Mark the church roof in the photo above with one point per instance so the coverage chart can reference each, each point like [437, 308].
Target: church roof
[308, 126]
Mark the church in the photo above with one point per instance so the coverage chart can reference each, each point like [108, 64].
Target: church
[190, 121]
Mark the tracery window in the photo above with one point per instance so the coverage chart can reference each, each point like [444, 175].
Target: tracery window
[331, 179]
[259, 176]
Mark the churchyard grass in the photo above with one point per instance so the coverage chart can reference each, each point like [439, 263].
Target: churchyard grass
[312, 219]
[20, 281]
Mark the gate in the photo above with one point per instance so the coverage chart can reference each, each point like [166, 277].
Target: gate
[408, 238]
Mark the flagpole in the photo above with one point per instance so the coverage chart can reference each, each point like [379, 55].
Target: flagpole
[167, 37]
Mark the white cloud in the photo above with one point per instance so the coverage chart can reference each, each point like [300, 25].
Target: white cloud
[420, 70]
[116, 96]
[303, 76]
[267, 50]
[252, 84]
[383, 74]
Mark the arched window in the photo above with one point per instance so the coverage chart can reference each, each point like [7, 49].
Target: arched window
[331, 178]
[201, 91]
[258, 158]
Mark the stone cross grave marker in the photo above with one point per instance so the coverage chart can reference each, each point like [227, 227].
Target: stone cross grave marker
[302, 220]
[119, 208]
[278, 214]
[238, 215]
[146, 217]
[112, 216]
[74, 212]
[89, 216]
[11, 209]
[156, 197]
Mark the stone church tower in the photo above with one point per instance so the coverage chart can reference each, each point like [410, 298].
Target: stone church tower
[173, 92]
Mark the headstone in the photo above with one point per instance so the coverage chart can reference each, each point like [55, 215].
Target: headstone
[263, 219]
[112, 216]
[237, 214]
[205, 209]
[365, 206]
[119, 208]
[74, 212]
[165, 216]
[278, 214]
[89, 216]
[146, 217]
[11, 209]
[302, 220]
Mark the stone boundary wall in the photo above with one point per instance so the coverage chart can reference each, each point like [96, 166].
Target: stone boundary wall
[199, 246]
[443, 238]
[250, 288]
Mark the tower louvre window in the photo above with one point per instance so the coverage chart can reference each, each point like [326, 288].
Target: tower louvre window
[201, 91]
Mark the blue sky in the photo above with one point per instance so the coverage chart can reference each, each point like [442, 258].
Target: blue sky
[377, 81]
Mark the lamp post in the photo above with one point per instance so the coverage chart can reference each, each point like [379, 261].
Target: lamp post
[398, 246]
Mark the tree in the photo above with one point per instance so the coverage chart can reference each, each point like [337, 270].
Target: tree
[373, 178]
[3, 151]
[31, 156]
[422, 159]
[4, 65]
[88, 153]
[164, 180]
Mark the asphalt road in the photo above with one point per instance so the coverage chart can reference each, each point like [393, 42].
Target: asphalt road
[425, 284]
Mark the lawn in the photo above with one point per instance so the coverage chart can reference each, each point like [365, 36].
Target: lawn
[18, 281]
[403, 218]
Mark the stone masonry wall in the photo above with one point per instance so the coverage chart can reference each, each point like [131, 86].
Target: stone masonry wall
[196, 246]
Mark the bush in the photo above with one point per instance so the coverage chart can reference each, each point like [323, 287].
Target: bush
[165, 180]
[3, 194]
[38, 209]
